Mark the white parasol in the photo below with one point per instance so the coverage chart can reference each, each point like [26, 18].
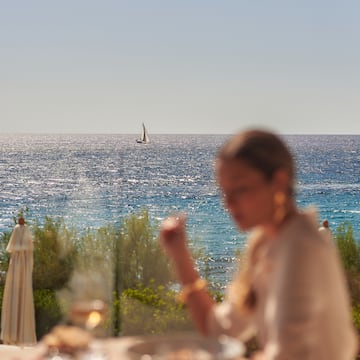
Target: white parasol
[17, 316]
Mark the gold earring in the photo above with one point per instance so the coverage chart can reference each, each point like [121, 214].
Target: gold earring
[279, 205]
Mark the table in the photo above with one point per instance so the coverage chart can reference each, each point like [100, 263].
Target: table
[114, 348]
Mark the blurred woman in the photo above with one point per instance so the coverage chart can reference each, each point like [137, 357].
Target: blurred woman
[290, 291]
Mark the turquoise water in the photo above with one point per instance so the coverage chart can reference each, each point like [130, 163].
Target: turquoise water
[93, 180]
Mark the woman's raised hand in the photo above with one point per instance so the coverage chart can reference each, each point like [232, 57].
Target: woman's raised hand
[173, 234]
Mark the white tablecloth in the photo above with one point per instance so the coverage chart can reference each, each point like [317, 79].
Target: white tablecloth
[114, 348]
[107, 349]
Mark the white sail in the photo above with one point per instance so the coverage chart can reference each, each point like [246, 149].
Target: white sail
[144, 137]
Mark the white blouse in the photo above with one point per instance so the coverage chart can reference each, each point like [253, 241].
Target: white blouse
[302, 309]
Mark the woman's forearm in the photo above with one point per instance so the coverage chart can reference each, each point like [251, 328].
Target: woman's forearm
[198, 300]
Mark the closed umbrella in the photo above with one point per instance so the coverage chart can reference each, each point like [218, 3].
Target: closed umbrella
[17, 315]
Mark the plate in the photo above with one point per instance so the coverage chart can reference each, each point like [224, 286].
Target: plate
[186, 346]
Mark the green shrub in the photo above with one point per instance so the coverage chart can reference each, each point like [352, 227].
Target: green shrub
[140, 258]
[4, 256]
[47, 311]
[348, 248]
[137, 274]
[126, 255]
[55, 254]
[356, 316]
[349, 251]
[152, 310]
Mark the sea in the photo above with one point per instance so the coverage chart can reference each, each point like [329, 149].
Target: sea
[95, 180]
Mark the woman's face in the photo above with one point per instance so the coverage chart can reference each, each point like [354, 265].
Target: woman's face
[247, 194]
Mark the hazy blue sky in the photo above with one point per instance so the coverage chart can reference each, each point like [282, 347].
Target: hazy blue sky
[186, 66]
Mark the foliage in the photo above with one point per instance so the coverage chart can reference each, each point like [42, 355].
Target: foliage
[125, 255]
[140, 259]
[47, 311]
[152, 310]
[4, 256]
[130, 253]
[356, 316]
[349, 249]
[95, 249]
[55, 254]
[122, 257]
[134, 272]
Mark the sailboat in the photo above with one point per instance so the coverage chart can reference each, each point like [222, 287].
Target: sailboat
[144, 137]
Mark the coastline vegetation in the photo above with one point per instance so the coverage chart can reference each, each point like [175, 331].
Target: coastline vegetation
[123, 265]
[133, 275]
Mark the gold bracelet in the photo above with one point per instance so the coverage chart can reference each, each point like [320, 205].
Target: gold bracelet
[188, 289]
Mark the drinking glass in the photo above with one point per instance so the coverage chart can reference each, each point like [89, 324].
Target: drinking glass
[87, 300]
[86, 304]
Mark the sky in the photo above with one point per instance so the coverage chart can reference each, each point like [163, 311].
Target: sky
[179, 66]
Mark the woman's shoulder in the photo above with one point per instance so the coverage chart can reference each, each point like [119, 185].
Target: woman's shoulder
[302, 231]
